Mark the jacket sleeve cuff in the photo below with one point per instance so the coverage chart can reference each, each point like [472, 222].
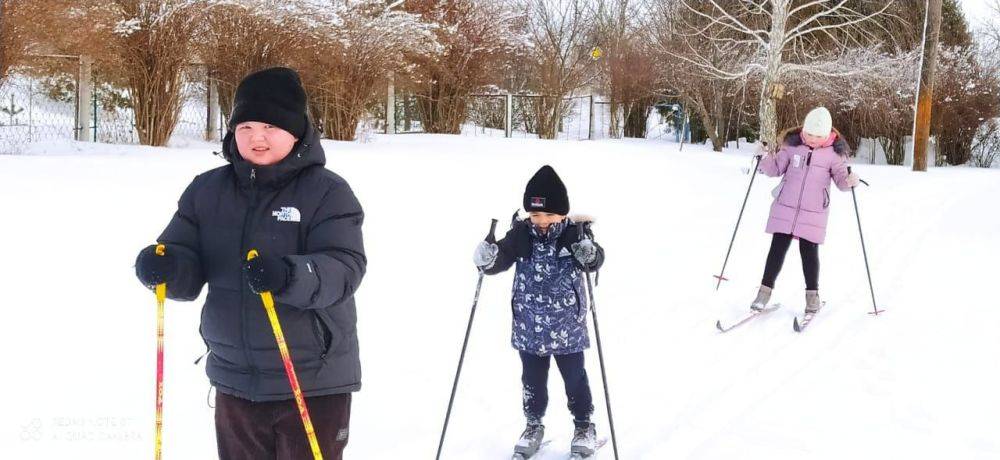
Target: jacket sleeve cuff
[303, 283]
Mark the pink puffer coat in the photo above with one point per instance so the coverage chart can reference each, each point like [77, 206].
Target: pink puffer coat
[801, 206]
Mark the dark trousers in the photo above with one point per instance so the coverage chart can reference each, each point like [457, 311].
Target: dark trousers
[776, 258]
[248, 430]
[535, 376]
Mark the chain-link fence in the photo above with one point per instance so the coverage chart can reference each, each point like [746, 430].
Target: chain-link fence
[486, 116]
[578, 117]
[114, 120]
[39, 102]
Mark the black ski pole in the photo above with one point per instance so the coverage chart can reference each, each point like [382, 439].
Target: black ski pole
[458, 372]
[871, 287]
[753, 175]
[600, 354]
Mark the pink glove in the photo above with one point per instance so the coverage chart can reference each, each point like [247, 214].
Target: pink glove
[853, 180]
[764, 150]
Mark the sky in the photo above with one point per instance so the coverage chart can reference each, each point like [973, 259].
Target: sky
[976, 10]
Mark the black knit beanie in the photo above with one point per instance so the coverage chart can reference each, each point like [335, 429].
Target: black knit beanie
[274, 96]
[546, 193]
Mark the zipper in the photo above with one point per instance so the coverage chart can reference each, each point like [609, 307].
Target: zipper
[802, 190]
[243, 288]
[320, 333]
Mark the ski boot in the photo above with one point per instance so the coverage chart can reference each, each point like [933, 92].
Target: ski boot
[813, 303]
[584, 441]
[530, 442]
[763, 297]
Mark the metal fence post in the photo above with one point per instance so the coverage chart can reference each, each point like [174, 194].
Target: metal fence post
[590, 128]
[508, 118]
[390, 105]
[84, 92]
[212, 122]
[94, 113]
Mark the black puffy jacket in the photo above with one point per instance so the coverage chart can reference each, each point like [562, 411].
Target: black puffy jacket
[297, 209]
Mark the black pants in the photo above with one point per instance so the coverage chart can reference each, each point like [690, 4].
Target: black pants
[776, 258]
[535, 375]
[248, 430]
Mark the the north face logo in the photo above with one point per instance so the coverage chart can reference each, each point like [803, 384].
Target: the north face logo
[537, 202]
[287, 214]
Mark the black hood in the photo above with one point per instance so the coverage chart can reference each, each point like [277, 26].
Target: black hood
[305, 153]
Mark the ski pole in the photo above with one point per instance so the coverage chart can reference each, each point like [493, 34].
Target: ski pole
[286, 358]
[468, 329]
[600, 353]
[161, 298]
[871, 287]
[753, 175]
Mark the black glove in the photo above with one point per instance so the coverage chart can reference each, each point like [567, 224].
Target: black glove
[267, 273]
[152, 269]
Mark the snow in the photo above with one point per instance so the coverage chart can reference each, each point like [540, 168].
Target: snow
[918, 381]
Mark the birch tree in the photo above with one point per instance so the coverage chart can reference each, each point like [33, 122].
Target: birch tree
[780, 38]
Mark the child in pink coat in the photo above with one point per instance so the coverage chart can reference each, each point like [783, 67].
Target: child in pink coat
[809, 159]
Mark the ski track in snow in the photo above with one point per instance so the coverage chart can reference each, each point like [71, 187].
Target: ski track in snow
[918, 381]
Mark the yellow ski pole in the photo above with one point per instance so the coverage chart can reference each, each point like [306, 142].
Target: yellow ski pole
[286, 358]
[161, 297]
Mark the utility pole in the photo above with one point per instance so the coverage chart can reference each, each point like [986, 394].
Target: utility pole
[925, 89]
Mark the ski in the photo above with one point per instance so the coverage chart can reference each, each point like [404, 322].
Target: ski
[807, 318]
[752, 315]
[522, 456]
[578, 456]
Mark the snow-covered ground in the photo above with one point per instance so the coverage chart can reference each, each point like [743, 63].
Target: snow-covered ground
[917, 382]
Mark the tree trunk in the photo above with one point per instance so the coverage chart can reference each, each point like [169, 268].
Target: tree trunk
[156, 95]
[636, 114]
[614, 125]
[710, 124]
[768, 121]
[549, 114]
[768, 103]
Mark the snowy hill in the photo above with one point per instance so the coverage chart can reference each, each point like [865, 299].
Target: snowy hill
[917, 382]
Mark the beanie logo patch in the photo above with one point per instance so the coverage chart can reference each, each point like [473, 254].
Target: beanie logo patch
[537, 202]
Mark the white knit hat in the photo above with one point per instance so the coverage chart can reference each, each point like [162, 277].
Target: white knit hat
[818, 122]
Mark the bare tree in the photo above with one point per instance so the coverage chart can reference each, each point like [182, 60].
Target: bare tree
[237, 38]
[356, 47]
[782, 38]
[22, 24]
[558, 61]
[990, 34]
[146, 45]
[986, 145]
[712, 98]
[628, 75]
[476, 37]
